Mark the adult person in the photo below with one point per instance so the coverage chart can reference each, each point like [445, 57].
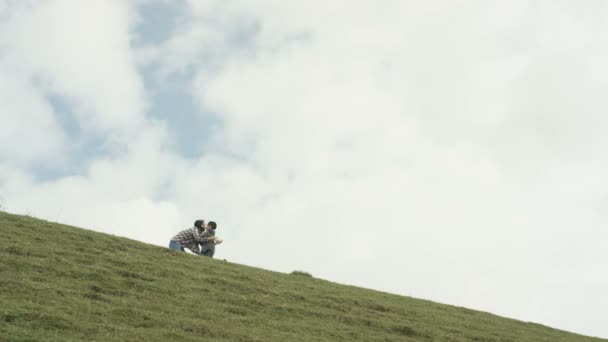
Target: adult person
[190, 238]
[208, 248]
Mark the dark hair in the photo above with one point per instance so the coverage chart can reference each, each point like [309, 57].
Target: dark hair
[212, 224]
[198, 223]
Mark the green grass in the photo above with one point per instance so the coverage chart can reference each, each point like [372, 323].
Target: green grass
[60, 283]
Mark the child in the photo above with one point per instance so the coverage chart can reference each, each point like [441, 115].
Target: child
[208, 248]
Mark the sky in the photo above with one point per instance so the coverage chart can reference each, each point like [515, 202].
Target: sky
[451, 151]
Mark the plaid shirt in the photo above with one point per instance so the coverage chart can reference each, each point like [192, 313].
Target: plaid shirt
[190, 238]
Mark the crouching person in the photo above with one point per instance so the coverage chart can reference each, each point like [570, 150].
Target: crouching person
[191, 238]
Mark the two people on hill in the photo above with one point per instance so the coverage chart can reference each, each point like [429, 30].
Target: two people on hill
[200, 239]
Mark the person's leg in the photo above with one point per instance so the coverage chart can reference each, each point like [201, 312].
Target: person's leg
[176, 246]
[208, 253]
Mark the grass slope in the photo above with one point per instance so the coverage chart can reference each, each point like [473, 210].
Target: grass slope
[60, 283]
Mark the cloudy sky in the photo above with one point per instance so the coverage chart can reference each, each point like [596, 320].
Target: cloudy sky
[447, 150]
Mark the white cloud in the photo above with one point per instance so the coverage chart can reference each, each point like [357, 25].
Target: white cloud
[79, 51]
[30, 132]
[123, 195]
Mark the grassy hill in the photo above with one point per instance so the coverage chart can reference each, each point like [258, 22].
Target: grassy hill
[60, 283]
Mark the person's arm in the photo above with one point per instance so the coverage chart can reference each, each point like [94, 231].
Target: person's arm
[211, 233]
